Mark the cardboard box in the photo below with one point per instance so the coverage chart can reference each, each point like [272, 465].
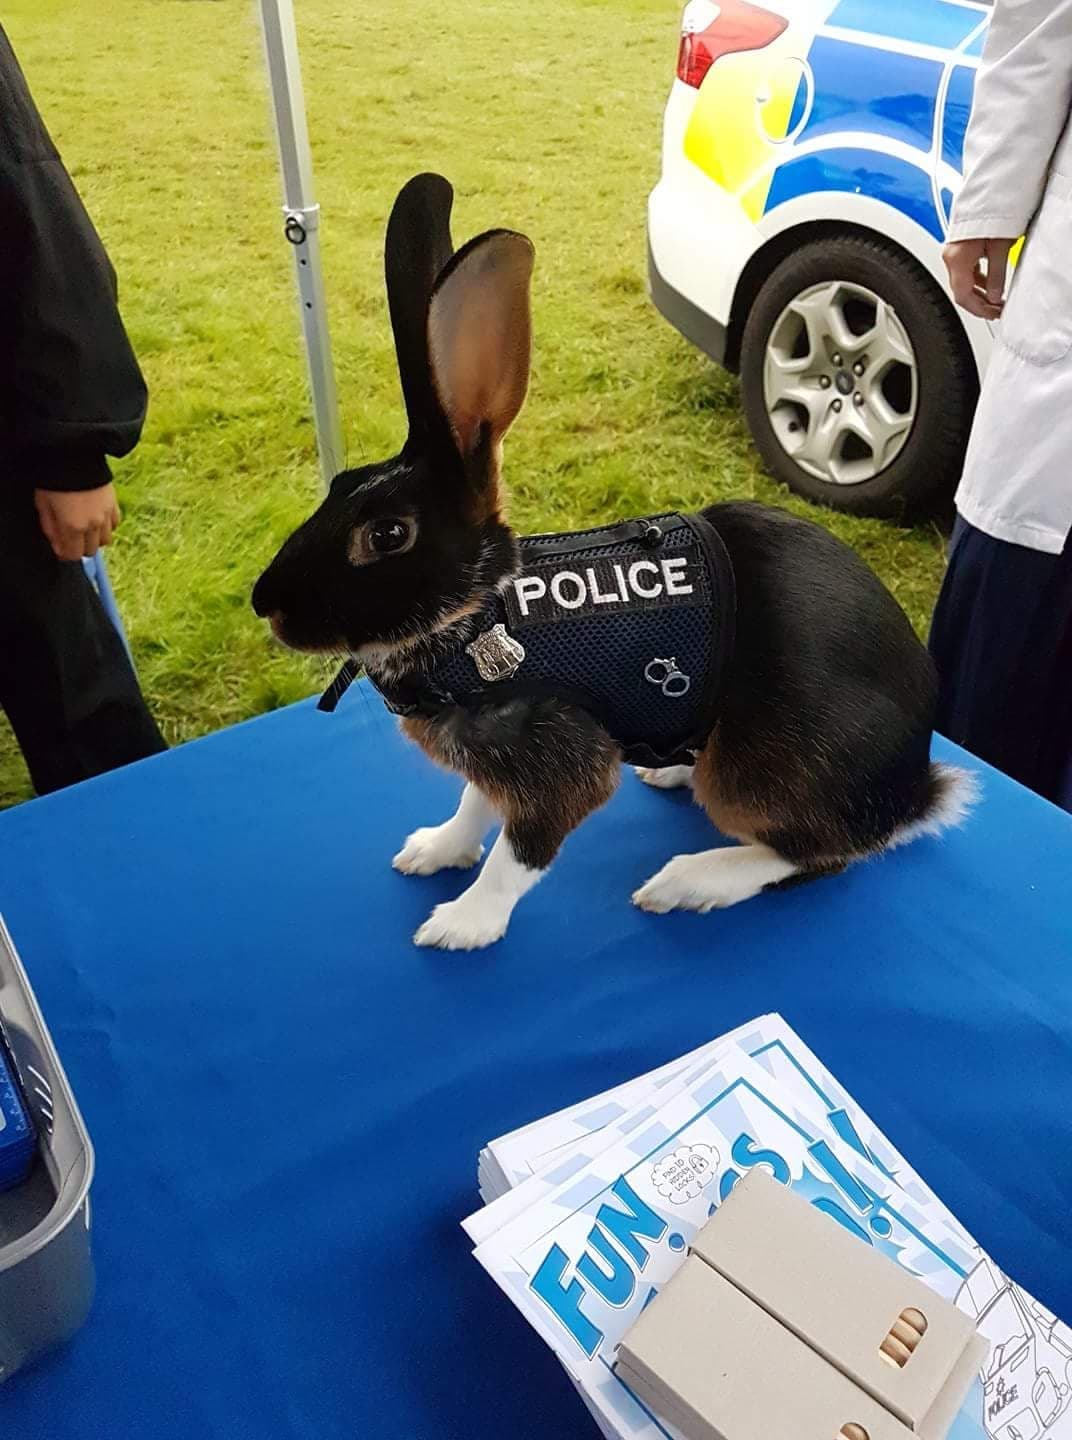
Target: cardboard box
[783, 1322]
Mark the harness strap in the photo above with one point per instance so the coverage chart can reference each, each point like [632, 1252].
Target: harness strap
[339, 686]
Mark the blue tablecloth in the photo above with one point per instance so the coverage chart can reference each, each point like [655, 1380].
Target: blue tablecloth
[287, 1098]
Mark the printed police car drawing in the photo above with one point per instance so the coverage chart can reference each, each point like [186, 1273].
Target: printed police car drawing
[739, 651]
[1027, 1383]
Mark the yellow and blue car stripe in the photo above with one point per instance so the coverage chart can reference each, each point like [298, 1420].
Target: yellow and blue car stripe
[874, 100]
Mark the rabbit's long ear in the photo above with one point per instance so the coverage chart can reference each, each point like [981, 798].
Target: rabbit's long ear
[480, 338]
[417, 249]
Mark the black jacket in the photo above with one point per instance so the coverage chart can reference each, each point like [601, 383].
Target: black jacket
[71, 392]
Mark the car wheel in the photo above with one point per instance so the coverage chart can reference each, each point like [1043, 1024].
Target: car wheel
[856, 379]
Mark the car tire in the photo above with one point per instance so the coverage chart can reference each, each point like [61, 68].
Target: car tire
[937, 392]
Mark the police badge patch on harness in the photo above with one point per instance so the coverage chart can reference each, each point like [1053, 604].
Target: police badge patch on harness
[633, 623]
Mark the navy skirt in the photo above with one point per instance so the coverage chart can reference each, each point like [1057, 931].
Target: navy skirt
[1002, 641]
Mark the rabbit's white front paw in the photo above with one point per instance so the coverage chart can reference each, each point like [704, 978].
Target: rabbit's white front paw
[468, 923]
[480, 916]
[666, 777]
[435, 848]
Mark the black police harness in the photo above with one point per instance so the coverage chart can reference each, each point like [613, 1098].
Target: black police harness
[633, 623]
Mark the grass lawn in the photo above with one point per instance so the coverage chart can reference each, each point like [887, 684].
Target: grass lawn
[545, 115]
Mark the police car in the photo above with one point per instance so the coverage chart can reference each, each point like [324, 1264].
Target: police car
[811, 152]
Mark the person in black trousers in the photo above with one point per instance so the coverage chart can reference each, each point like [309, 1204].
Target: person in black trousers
[71, 394]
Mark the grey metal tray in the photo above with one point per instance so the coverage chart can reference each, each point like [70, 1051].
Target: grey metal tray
[46, 1270]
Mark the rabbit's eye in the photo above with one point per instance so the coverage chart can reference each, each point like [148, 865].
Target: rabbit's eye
[387, 536]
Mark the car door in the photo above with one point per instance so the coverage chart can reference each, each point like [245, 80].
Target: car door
[954, 112]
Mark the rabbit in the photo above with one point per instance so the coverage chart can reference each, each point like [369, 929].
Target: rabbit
[815, 749]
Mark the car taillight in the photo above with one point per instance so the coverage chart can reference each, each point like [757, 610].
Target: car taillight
[710, 30]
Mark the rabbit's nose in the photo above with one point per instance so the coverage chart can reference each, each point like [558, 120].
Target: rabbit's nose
[263, 600]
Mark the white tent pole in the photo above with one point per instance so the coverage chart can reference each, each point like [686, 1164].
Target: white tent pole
[302, 223]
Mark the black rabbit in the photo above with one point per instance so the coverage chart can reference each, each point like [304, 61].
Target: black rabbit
[755, 657]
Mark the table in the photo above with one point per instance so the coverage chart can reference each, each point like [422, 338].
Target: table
[287, 1098]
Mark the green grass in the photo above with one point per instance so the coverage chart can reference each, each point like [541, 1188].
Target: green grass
[545, 115]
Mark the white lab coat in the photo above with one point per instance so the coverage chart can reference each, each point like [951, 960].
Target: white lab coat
[1017, 483]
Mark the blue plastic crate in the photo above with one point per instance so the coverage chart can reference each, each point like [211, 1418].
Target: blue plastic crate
[46, 1269]
[17, 1136]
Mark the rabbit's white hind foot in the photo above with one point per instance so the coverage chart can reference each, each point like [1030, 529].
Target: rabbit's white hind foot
[713, 879]
[480, 916]
[454, 845]
[669, 777]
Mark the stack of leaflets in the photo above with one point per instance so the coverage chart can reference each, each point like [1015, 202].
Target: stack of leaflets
[591, 1210]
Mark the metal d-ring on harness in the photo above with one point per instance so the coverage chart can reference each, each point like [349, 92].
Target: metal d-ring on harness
[670, 680]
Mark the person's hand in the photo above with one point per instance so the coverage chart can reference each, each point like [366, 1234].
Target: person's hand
[977, 274]
[77, 523]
